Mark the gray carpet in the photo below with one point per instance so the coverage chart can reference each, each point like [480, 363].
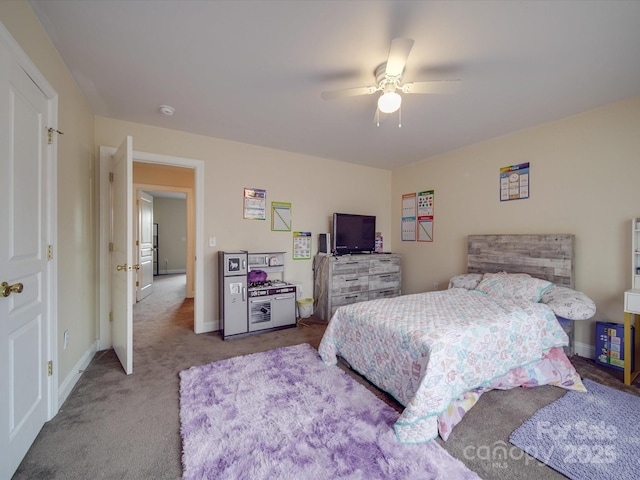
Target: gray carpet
[115, 426]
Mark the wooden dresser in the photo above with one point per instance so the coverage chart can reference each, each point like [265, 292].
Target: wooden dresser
[349, 279]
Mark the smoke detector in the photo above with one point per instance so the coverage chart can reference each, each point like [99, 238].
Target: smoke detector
[167, 110]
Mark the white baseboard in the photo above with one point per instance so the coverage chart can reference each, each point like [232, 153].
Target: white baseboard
[210, 327]
[64, 389]
[585, 350]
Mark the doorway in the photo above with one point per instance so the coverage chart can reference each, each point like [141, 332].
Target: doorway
[170, 225]
[196, 197]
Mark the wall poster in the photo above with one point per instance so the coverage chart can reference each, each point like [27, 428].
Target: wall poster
[255, 204]
[409, 217]
[425, 216]
[514, 182]
[280, 217]
[302, 245]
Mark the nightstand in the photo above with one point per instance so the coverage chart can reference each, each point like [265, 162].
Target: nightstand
[631, 314]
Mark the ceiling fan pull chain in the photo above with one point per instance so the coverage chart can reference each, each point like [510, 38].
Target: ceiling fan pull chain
[400, 117]
[377, 117]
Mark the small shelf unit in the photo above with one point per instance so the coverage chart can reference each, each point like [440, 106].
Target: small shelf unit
[632, 308]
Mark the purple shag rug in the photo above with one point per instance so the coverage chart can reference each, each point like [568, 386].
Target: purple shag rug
[586, 435]
[284, 414]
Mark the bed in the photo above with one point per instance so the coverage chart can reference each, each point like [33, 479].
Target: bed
[437, 352]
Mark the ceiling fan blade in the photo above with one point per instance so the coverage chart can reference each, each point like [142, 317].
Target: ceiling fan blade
[348, 92]
[398, 54]
[435, 87]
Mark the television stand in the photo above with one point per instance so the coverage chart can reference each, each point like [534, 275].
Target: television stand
[352, 278]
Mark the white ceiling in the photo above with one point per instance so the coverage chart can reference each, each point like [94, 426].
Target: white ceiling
[253, 71]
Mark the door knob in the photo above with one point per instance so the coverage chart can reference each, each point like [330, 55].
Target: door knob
[136, 266]
[124, 267]
[7, 289]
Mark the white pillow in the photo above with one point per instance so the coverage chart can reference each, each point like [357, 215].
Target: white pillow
[466, 280]
[568, 303]
[514, 286]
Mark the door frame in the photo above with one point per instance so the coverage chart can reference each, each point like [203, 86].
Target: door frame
[51, 234]
[104, 284]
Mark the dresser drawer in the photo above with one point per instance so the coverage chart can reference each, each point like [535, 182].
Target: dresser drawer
[387, 293]
[340, 300]
[384, 281]
[343, 284]
[384, 264]
[350, 267]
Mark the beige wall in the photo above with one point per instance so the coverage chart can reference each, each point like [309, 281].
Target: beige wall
[585, 173]
[171, 216]
[315, 187]
[76, 252]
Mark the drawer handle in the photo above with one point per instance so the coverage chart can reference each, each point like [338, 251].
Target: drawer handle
[385, 276]
[350, 279]
[351, 296]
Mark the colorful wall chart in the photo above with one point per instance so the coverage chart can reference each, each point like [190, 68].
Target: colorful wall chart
[425, 216]
[408, 228]
[281, 216]
[514, 182]
[255, 204]
[301, 245]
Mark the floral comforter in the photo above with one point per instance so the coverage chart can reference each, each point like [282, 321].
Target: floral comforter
[429, 350]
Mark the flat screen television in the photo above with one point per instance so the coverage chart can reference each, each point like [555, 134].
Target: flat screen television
[353, 233]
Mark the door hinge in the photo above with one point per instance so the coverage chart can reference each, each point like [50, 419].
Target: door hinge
[49, 368]
[137, 243]
[111, 246]
[137, 202]
[137, 284]
[49, 252]
[111, 316]
[50, 132]
[110, 177]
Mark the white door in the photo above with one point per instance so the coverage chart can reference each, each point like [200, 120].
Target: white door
[25, 319]
[122, 256]
[144, 284]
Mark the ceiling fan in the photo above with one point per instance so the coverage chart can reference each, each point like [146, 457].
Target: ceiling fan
[388, 81]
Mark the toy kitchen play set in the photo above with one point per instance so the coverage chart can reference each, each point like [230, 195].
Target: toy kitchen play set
[253, 294]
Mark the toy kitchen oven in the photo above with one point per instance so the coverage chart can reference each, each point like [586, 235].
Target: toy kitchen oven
[254, 297]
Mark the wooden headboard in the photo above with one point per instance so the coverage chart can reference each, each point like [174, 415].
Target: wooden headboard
[549, 257]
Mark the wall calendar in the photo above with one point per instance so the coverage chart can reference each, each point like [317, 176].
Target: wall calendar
[514, 182]
[409, 217]
[425, 216]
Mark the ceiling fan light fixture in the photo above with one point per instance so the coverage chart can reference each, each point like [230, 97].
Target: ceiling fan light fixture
[389, 102]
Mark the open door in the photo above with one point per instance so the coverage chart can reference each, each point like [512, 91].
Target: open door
[145, 245]
[122, 255]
